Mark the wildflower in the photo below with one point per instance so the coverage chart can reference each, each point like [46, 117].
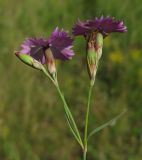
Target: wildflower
[46, 50]
[94, 32]
[103, 25]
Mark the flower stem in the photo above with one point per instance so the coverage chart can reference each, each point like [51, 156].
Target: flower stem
[70, 118]
[86, 122]
[84, 155]
[48, 75]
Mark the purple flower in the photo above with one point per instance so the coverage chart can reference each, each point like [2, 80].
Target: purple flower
[104, 25]
[59, 43]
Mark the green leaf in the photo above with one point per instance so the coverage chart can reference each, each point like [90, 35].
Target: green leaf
[109, 123]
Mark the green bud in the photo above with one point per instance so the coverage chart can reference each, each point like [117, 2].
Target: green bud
[29, 61]
[37, 64]
[25, 58]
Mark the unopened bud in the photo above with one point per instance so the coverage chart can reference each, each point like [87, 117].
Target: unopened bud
[94, 52]
[50, 62]
[29, 61]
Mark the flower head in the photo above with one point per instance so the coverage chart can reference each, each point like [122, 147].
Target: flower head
[59, 43]
[94, 32]
[103, 25]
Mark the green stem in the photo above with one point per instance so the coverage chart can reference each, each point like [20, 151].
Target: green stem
[84, 155]
[86, 121]
[48, 75]
[70, 115]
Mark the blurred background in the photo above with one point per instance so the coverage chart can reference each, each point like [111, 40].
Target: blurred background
[32, 121]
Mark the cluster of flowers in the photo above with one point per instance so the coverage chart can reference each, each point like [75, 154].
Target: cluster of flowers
[36, 51]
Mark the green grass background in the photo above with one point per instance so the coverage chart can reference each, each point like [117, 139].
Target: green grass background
[32, 121]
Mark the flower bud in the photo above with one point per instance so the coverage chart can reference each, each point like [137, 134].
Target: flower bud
[50, 62]
[29, 60]
[94, 52]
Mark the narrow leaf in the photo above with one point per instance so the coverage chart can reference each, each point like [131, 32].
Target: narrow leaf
[109, 123]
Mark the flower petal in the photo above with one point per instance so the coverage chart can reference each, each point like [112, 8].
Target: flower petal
[35, 48]
[104, 25]
[61, 45]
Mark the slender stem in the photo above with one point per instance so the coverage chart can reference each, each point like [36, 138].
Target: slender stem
[74, 129]
[86, 121]
[60, 93]
[84, 155]
[74, 124]
[48, 75]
